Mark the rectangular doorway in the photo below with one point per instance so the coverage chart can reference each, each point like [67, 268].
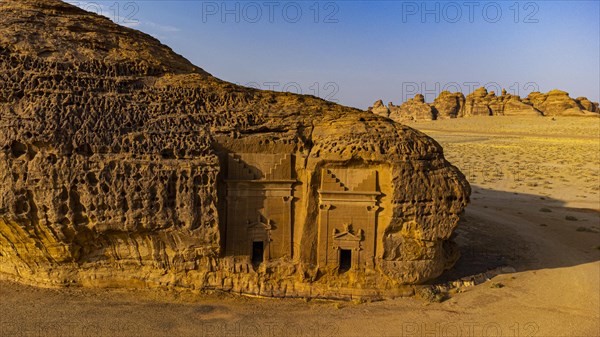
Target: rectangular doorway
[345, 260]
[258, 252]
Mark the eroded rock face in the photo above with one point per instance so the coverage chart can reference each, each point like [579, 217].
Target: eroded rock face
[449, 105]
[586, 104]
[122, 164]
[478, 103]
[380, 109]
[483, 103]
[512, 105]
[413, 109]
[558, 103]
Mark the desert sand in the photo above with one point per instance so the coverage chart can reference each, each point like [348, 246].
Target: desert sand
[535, 207]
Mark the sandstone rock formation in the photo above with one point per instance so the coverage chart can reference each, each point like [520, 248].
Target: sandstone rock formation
[558, 103]
[379, 109]
[512, 105]
[478, 103]
[449, 105]
[123, 164]
[483, 103]
[413, 109]
[586, 104]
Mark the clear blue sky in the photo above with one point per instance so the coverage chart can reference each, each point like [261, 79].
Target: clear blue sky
[356, 52]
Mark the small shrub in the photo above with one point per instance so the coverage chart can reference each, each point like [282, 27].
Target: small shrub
[441, 297]
[497, 285]
[570, 218]
[431, 295]
[545, 210]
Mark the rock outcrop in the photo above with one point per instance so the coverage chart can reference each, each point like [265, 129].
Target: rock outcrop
[586, 104]
[558, 103]
[483, 103]
[449, 105]
[124, 165]
[413, 109]
[478, 103]
[512, 105]
[380, 109]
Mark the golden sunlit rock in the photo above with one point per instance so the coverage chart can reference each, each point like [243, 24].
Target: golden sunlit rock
[124, 165]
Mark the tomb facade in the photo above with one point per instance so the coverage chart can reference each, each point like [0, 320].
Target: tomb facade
[124, 165]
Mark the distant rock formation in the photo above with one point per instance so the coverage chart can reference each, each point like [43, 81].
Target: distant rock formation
[380, 109]
[512, 105]
[449, 105]
[413, 109]
[586, 104]
[558, 103]
[124, 165]
[480, 102]
[483, 103]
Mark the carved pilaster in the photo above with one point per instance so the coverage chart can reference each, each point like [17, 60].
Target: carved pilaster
[371, 236]
[230, 244]
[287, 226]
[324, 230]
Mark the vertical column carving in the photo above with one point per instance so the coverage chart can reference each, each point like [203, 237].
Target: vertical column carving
[371, 235]
[324, 232]
[287, 227]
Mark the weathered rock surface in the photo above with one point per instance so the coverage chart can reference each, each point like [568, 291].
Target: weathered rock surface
[123, 164]
[380, 109]
[512, 105]
[449, 105]
[413, 109]
[483, 103]
[478, 103]
[558, 103]
[586, 104]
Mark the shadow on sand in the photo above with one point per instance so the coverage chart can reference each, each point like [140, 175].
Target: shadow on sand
[523, 231]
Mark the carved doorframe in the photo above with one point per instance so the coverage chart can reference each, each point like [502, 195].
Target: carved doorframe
[260, 232]
[348, 240]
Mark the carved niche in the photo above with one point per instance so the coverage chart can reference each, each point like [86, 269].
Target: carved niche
[347, 218]
[259, 197]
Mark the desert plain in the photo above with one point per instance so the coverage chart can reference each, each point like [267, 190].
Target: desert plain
[534, 214]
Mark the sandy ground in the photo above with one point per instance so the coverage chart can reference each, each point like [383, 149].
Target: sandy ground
[535, 206]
